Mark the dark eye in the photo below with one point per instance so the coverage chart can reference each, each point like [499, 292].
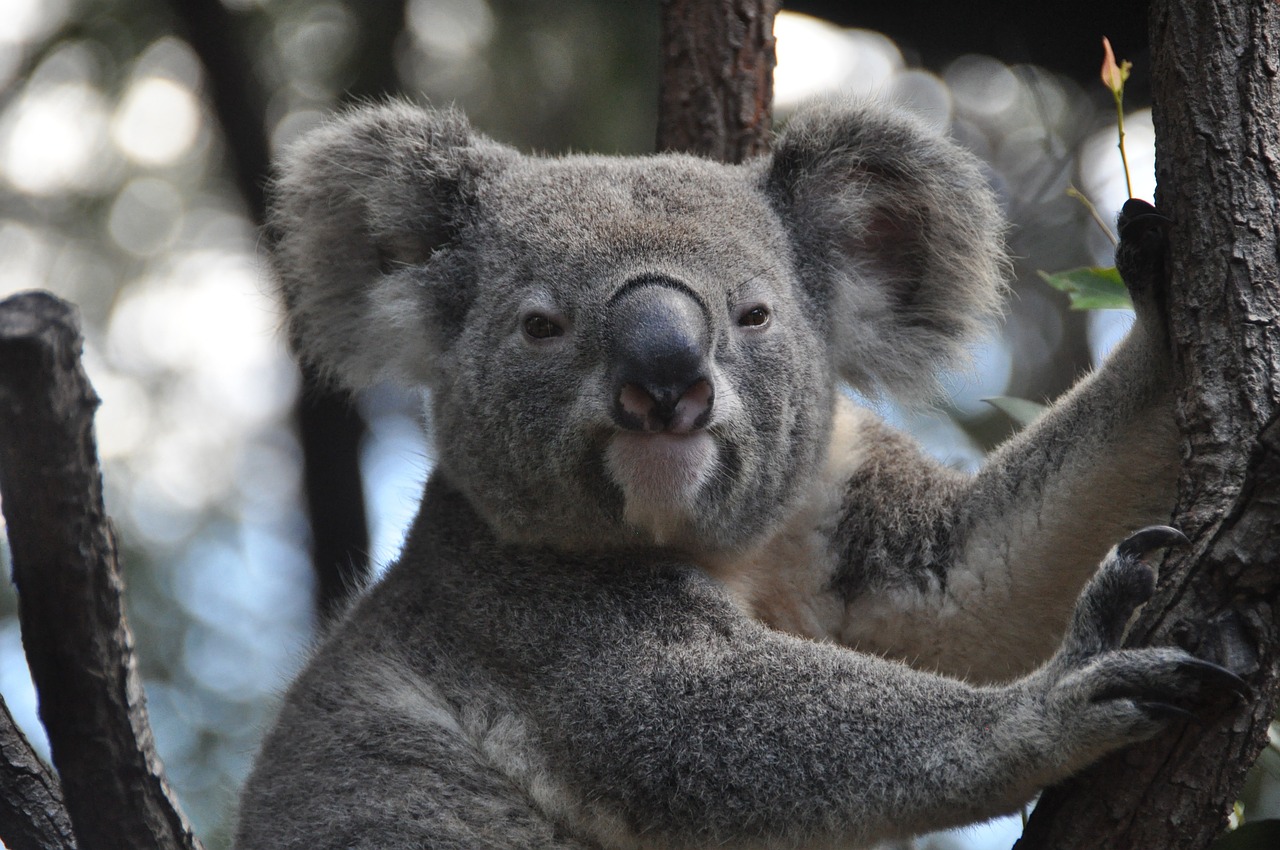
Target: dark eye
[540, 327]
[755, 317]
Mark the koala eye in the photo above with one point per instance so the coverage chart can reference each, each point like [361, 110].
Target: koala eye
[538, 326]
[756, 317]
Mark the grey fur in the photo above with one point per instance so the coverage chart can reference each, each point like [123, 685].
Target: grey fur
[584, 641]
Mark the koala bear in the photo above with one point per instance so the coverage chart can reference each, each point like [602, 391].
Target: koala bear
[668, 586]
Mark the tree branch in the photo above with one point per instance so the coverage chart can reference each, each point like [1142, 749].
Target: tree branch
[329, 428]
[69, 590]
[1216, 81]
[32, 813]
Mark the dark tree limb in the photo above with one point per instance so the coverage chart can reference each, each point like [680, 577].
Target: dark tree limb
[32, 813]
[1216, 82]
[234, 92]
[715, 97]
[329, 428]
[77, 642]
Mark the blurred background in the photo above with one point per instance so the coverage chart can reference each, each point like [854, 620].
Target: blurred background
[134, 137]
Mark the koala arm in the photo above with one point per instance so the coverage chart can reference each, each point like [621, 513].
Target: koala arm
[897, 234]
[763, 735]
[966, 581]
[737, 732]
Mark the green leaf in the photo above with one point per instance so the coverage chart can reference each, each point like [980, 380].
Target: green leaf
[1021, 410]
[1091, 288]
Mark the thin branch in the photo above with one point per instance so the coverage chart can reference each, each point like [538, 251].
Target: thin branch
[329, 428]
[32, 813]
[236, 96]
[69, 589]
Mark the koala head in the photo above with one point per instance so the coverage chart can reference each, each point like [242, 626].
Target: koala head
[632, 351]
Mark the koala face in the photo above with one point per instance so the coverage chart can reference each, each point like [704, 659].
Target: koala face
[639, 351]
[638, 360]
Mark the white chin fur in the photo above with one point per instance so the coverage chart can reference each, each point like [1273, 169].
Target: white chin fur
[661, 476]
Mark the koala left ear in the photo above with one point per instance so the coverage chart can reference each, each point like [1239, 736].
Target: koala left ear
[897, 236]
[364, 210]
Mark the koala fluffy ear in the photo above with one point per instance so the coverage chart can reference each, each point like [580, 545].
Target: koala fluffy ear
[362, 210]
[898, 237]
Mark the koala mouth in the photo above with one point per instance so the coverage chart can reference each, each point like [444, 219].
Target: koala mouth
[661, 476]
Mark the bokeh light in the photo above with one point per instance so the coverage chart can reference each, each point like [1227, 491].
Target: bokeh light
[817, 58]
[52, 140]
[156, 122]
[450, 29]
[23, 23]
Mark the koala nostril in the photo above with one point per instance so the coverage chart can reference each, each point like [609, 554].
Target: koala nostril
[693, 408]
[635, 406]
[656, 409]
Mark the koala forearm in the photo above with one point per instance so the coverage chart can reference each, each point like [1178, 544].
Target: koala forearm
[777, 785]
[641, 711]
[997, 558]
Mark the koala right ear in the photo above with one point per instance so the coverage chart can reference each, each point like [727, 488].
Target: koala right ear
[361, 208]
[899, 239]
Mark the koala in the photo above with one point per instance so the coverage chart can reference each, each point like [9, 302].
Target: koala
[668, 586]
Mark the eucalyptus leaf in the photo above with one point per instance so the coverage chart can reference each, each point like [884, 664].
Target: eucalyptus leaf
[1091, 288]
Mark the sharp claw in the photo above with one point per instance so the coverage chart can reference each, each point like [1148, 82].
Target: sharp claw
[1169, 712]
[1216, 674]
[1144, 541]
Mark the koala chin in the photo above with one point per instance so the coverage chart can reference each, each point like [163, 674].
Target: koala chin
[661, 477]
[668, 586]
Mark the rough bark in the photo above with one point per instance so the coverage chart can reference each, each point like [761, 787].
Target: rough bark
[715, 97]
[32, 813]
[329, 428]
[1216, 81]
[78, 644]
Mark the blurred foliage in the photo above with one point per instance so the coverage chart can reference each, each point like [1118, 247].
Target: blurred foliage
[1094, 288]
[1020, 410]
[116, 193]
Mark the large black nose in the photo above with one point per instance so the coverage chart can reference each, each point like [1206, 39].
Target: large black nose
[658, 349]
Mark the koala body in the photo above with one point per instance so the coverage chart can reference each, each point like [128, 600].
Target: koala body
[668, 587]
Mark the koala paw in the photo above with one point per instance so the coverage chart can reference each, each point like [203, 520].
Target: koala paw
[1123, 582]
[1102, 697]
[1141, 253]
[1128, 695]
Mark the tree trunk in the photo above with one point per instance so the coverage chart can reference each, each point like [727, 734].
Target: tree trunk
[70, 600]
[1216, 82]
[715, 97]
